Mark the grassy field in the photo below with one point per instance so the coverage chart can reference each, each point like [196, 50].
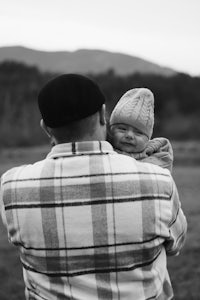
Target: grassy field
[184, 269]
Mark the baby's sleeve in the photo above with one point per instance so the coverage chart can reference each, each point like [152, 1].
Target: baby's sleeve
[159, 152]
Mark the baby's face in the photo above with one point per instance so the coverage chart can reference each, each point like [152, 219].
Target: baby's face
[128, 139]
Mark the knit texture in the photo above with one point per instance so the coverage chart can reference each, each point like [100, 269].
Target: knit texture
[135, 108]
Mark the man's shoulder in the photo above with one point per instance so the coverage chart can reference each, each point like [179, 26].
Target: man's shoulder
[26, 170]
[126, 161]
[151, 179]
[146, 172]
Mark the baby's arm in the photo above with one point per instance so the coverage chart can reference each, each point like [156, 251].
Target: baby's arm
[159, 152]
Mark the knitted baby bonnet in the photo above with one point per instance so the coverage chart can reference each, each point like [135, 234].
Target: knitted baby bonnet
[135, 108]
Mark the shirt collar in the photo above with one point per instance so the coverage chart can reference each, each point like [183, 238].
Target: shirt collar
[80, 148]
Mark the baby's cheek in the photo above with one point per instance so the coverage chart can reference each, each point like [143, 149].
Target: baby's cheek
[115, 141]
[145, 142]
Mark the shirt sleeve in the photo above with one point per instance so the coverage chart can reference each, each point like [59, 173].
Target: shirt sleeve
[2, 208]
[177, 225]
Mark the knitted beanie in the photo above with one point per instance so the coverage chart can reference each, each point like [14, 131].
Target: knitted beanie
[135, 108]
[68, 98]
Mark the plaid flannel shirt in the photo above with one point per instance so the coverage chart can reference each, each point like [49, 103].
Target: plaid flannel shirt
[93, 224]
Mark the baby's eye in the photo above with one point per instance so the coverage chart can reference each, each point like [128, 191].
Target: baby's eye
[139, 133]
[122, 128]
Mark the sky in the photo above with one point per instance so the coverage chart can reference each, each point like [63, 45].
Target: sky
[166, 32]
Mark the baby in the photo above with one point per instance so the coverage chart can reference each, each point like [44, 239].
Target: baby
[131, 127]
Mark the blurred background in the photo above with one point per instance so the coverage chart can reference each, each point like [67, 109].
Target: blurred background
[121, 45]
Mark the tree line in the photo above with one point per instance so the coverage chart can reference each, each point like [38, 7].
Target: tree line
[177, 102]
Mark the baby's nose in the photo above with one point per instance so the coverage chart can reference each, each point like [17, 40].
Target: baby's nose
[130, 134]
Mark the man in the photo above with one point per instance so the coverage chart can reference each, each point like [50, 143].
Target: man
[90, 223]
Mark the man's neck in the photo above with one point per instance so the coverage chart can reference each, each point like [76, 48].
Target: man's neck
[88, 138]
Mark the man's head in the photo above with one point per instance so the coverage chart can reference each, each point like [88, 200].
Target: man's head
[72, 108]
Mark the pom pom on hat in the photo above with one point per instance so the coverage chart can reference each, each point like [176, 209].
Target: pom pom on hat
[68, 98]
[135, 108]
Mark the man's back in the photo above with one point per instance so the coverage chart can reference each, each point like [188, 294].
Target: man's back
[93, 224]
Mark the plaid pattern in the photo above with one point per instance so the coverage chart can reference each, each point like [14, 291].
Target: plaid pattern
[93, 224]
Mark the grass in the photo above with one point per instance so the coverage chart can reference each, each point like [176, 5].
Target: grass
[184, 269]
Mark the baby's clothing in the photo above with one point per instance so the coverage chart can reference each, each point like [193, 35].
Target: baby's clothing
[136, 108]
[158, 152]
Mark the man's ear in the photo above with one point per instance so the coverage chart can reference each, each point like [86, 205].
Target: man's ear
[102, 113]
[45, 128]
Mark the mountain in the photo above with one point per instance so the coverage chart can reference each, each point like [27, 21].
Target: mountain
[82, 61]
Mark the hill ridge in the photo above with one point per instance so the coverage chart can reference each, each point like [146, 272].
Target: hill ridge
[83, 61]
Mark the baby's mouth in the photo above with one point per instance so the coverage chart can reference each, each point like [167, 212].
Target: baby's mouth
[128, 144]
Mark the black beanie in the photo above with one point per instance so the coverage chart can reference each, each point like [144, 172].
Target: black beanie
[68, 98]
